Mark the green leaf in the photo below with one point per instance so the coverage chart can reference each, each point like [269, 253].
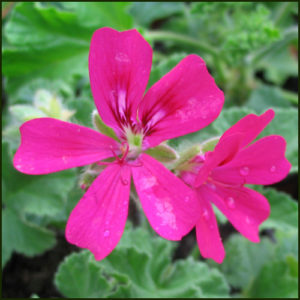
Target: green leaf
[164, 67]
[145, 13]
[23, 237]
[79, 276]
[281, 60]
[159, 277]
[45, 42]
[25, 93]
[96, 14]
[287, 243]
[140, 266]
[244, 259]
[83, 106]
[198, 137]
[229, 117]
[247, 264]
[284, 210]
[285, 123]
[274, 281]
[26, 112]
[293, 265]
[265, 97]
[43, 195]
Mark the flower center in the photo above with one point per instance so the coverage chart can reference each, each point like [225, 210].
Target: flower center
[135, 141]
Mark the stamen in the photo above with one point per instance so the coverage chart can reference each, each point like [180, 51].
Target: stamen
[125, 152]
[115, 155]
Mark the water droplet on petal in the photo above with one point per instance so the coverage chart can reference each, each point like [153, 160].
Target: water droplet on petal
[106, 233]
[211, 226]
[211, 186]
[125, 181]
[273, 169]
[18, 166]
[122, 57]
[230, 202]
[244, 171]
[187, 198]
[205, 214]
[248, 220]
[64, 159]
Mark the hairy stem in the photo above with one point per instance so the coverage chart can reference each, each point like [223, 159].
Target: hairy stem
[171, 36]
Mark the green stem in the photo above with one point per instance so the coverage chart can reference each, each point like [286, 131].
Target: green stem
[289, 35]
[195, 253]
[220, 69]
[290, 96]
[282, 12]
[186, 156]
[171, 36]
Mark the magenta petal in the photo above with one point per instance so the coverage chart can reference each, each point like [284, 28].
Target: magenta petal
[98, 220]
[250, 126]
[170, 206]
[208, 236]
[50, 145]
[261, 163]
[245, 209]
[119, 66]
[183, 101]
[224, 151]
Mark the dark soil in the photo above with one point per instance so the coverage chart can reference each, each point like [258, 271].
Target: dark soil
[24, 276]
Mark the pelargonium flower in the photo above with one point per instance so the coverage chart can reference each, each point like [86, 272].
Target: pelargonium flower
[219, 177]
[184, 100]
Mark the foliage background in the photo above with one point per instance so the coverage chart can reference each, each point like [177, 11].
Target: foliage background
[251, 49]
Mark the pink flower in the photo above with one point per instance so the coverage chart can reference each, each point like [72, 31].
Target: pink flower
[219, 177]
[184, 100]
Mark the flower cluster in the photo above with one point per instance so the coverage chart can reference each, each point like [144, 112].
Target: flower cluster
[185, 100]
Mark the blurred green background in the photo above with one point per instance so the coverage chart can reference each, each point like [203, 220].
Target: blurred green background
[250, 48]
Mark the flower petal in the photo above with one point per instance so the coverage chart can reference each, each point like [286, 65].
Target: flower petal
[250, 126]
[245, 209]
[98, 220]
[183, 101]
[208, 236]
[224, 151]
[119, 66]
[49, 145]
[170, 206]
[261, 163]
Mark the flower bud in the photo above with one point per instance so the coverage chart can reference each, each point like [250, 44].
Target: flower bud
[102, 127]
[163, 153]
[210, 144]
